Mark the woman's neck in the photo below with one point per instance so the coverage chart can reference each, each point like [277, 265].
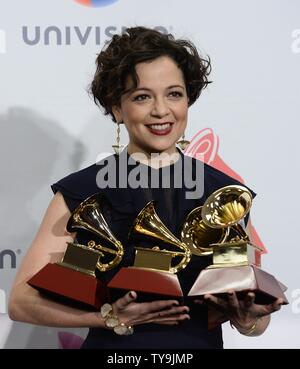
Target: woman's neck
[154, 159]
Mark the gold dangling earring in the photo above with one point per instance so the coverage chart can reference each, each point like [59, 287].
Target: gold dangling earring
[117, 147]
[183, 143]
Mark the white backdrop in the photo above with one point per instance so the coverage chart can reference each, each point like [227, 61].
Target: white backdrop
[50, 127]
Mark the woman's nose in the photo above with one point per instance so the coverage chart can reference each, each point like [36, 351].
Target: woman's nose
[160, 108]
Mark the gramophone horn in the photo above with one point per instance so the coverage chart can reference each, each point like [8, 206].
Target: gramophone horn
[198, 236]
[226, 207]
[148, 223]
[88, 216]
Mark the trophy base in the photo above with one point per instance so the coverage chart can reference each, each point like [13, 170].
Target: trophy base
[241, 279]
[70, 286]
[146, 283]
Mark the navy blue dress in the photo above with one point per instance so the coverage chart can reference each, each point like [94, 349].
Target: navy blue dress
[176, 189]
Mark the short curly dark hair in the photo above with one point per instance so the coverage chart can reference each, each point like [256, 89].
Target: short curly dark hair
[120, 55]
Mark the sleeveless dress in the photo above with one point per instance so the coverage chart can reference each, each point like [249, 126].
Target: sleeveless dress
[176, 189]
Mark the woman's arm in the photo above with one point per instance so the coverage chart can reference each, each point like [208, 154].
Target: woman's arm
[26, 304]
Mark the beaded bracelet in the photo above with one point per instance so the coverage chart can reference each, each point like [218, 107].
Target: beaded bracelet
[112, 321]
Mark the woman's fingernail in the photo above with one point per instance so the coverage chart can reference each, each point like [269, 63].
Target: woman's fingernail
[131, 294]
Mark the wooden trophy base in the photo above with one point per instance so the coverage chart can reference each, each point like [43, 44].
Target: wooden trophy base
[149, 284]
[241, 279]
[69, 285]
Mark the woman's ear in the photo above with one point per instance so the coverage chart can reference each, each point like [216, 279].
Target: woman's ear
[117, 114]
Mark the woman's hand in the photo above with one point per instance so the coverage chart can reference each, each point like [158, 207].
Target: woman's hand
[132, 313]
[242, 313]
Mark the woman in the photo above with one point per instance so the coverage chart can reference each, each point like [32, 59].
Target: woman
[145, 80]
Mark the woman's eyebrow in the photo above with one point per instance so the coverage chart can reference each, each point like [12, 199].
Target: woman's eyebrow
[173, 86]
[149, 89]
[141, 89]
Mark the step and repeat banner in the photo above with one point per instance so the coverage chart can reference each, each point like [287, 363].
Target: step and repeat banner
[245, 123]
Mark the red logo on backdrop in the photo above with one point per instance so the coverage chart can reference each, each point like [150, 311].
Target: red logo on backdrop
[95, 3]
[206, 144]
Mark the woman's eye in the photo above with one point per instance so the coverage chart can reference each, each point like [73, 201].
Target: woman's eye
[176, 94]
[140, 97]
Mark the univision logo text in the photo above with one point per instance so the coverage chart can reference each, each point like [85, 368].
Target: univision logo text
[2, 302]
[8, 259]
[54, 35]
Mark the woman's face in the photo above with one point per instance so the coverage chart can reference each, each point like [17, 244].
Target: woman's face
[155, 113]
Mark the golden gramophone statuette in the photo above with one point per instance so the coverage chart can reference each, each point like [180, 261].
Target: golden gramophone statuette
[215, 229]
[74, 277]
[153, 272]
